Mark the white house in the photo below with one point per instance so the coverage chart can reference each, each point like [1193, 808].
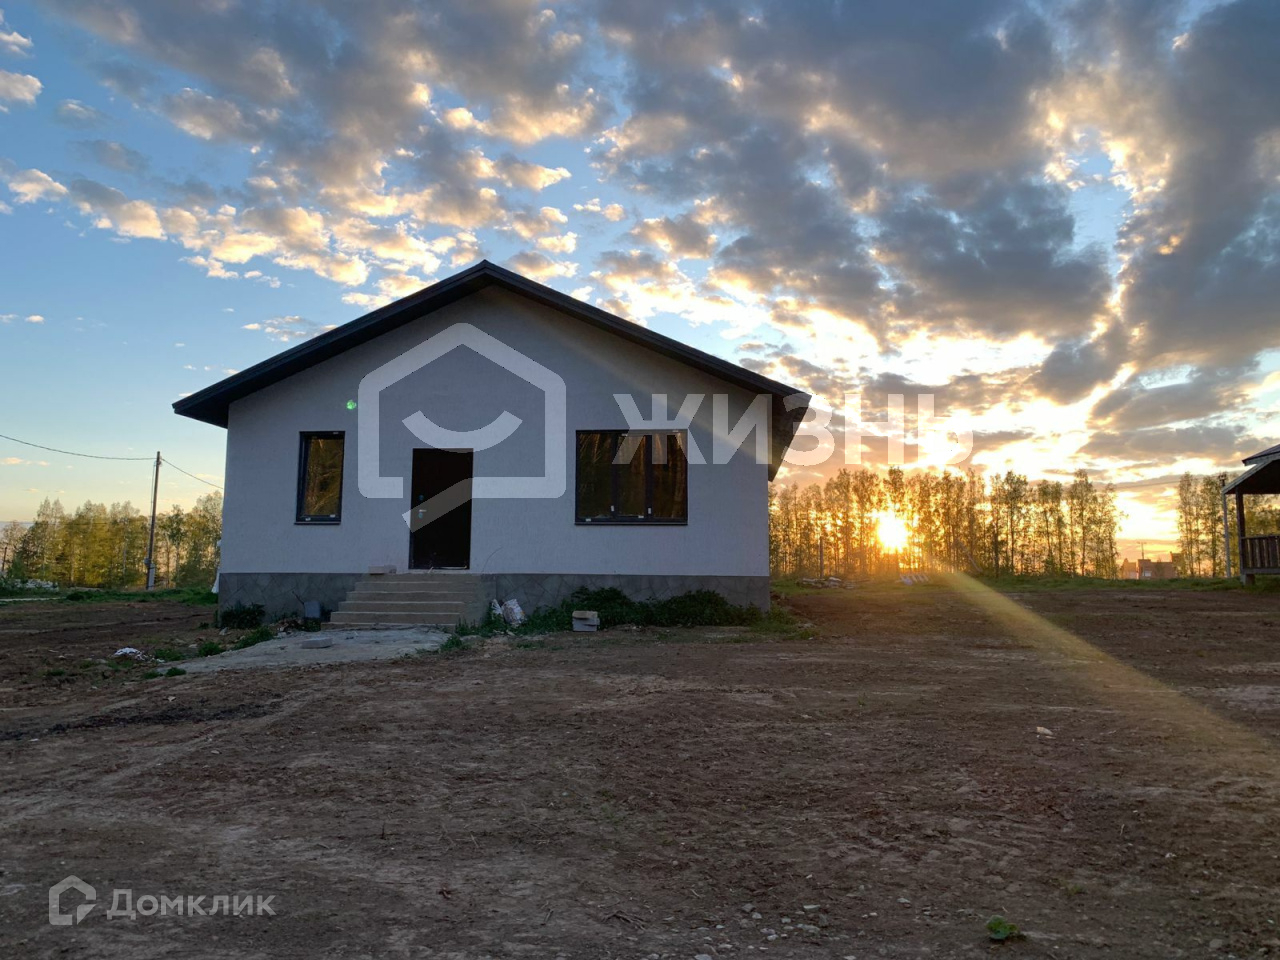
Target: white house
[472, 441]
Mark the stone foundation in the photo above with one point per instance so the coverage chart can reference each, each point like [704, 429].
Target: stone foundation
[535, 590]
[283, 594]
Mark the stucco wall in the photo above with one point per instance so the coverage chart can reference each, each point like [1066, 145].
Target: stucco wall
[728, 516]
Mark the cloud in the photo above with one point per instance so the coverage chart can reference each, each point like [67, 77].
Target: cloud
[530, 176]
[110, 209]
[19, 462]
[213, 268]
[19, 87]
[565, 243]
[1144, 401]
[208, 118]
[1222, 444]
[114, 156]
[540, 267]
[73, 113]
[12, 42]
[997, 258]
[612, 211]
[528, 224]
[1181, 110]
[683, 236]
[30, 186]
[1074, 367]
[286, 329]
[34, 318]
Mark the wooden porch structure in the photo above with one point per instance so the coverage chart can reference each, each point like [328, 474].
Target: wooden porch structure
[1258, 554]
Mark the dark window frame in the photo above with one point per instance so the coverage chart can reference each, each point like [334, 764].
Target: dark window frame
[648, 520]
[304, 455]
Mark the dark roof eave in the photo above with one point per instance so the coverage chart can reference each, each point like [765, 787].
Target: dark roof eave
[1266, 454]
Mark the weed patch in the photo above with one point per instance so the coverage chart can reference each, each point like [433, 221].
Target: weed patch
[699, 608]
[209, 648]
[254, 637]
[242, 616]
[998, 928]
[455, 644]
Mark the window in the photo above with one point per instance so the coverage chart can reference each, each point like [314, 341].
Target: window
[320, 477]
[626, 477]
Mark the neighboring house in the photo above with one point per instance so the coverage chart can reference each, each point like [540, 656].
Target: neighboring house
[322, 490]
[1145, 569]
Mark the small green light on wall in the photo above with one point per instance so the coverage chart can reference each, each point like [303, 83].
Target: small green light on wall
[351, 404]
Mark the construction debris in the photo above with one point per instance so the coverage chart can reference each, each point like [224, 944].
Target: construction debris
[836, 583]
[512, 613]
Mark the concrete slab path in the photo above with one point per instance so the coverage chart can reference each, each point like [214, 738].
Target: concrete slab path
[330, 646]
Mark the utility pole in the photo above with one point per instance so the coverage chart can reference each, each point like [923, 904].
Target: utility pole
[151, 541]
[1226, 536]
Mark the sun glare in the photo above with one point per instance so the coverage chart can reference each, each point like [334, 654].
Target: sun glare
[891, 531]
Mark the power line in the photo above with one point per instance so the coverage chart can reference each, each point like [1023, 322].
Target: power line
[70, 453]
[191, 475]
[94, 456]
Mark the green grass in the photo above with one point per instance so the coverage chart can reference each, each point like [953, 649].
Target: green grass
[175, 672]
[793, 588]
[1205, 584]
[999, 929]
[254, 637]
[151, 675]
[790, 587]
[190, 595]
[456, 643]
[491, 625]
[210, 648]
[168, 654]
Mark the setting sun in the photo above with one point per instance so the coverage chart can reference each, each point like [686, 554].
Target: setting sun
[891, 531]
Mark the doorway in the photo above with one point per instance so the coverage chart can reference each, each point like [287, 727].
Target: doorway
[440, 534]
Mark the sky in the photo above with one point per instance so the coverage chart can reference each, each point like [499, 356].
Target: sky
[1062, 220]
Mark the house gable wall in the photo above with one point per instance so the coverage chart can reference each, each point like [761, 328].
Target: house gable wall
[726, 535]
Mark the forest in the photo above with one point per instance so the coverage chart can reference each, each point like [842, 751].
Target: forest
[106, 546]
[860, 522]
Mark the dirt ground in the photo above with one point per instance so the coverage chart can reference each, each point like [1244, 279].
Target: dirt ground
[875, 786]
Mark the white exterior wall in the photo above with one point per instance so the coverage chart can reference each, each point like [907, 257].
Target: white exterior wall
[727, 532]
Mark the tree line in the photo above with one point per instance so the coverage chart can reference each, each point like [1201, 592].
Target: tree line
[106, 546]
[949, 521]
[1202, 548]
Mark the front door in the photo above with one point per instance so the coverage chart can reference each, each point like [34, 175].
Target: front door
[440, 530]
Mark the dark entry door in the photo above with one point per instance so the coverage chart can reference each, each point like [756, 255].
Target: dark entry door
[440, 529]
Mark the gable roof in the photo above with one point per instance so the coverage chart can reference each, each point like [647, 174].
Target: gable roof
[211, 404]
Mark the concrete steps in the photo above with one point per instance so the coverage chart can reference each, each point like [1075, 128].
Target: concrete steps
[409, 599]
